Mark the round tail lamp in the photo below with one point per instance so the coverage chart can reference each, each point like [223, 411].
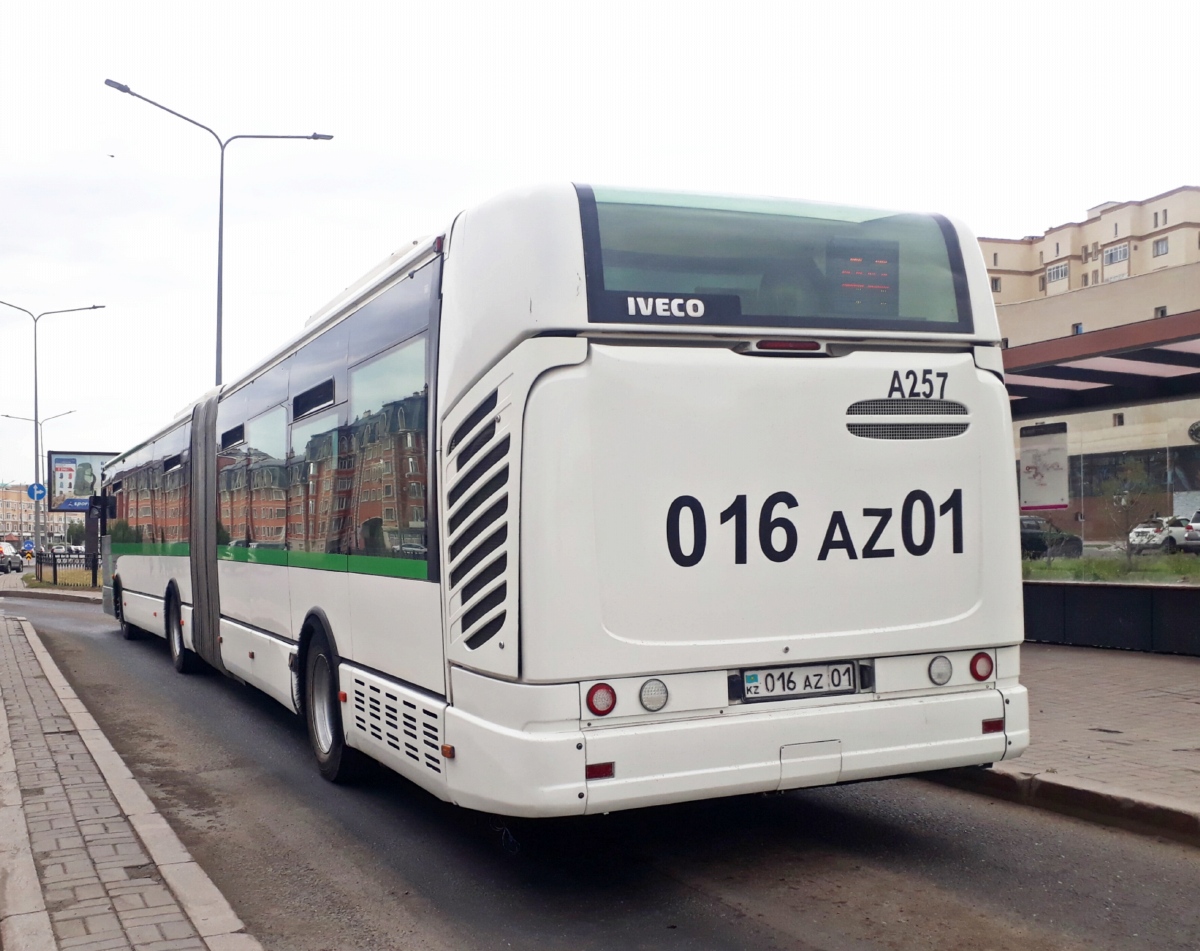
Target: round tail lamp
[982, 666]
[940, 670]
[601, 700]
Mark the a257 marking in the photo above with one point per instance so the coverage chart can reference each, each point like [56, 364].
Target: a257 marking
[919, 387]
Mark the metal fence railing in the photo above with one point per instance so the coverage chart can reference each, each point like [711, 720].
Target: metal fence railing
[68, 570]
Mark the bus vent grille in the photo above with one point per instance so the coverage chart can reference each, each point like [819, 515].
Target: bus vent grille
[477, 516]
[907, 430]
[906, 407]
[405, 726]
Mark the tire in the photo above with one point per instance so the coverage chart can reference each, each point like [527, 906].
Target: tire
[1169, 546]
[1073, 549]
[182, 659]
[337, 762]
[128, 631]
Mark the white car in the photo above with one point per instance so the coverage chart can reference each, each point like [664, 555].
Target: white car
[1166, 535]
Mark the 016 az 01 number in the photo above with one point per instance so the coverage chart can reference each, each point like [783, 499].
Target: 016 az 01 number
[778, 538]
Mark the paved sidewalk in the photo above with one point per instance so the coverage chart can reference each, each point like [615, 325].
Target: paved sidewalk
[1115, 736]
[86, 861]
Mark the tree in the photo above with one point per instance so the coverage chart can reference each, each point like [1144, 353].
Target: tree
[76, 532]
[1128, 498]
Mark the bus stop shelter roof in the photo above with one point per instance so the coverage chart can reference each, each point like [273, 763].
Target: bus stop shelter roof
[1148, 361]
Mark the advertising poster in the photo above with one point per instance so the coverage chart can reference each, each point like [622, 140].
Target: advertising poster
[72, 477]
[1044, 467]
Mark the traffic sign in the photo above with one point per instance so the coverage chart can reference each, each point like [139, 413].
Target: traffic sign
[28, 546]
[37, 491]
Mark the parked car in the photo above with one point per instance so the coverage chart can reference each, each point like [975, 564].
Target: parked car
[10, 559]
[1039, 536]
[1166, 535]
[1191, 535]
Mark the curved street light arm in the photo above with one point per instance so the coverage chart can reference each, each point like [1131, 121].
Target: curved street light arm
[121, 87]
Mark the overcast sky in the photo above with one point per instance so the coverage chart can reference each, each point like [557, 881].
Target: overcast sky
[1013, 116]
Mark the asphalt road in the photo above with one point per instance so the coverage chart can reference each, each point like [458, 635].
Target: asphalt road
[899, 865]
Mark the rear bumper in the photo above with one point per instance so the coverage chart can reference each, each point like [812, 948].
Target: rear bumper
[737, 751]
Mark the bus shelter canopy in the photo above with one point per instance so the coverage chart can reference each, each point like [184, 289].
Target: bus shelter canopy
[1148, 361]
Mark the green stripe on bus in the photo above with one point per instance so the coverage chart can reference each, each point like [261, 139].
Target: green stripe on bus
[320, 561]
[252, 556]
[389, 567]
[172, 549]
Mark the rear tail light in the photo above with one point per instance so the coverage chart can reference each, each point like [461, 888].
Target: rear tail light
[601, 700]
[994, 726]
[940, 670]
[982, 666]
[606, 770]
[778, 345]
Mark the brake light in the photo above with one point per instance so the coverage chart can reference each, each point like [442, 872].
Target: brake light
[982, 666]
[1158, 530]
[787, 345]
[601, 700]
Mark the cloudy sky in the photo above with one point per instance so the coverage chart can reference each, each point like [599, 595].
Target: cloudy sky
[1014, 116]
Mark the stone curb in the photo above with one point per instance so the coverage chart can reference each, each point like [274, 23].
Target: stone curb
[211, 915]
[1082, 798]
[40, 594]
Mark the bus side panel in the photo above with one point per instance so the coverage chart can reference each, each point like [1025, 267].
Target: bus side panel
[398, 629]
[326, 593]
[480, 446]
[256, 595]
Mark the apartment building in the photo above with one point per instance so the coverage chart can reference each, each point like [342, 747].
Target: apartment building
[1125, 262]
[16, 517]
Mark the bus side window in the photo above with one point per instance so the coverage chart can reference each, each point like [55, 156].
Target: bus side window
[388, 428]
[266, 448]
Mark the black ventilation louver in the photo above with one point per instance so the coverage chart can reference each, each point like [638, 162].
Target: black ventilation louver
[477, 520]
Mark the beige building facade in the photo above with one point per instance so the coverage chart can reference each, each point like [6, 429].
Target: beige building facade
[16, 517]
[1117, 241]
[1125, 263]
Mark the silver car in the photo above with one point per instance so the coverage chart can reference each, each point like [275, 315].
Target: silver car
[10, 559]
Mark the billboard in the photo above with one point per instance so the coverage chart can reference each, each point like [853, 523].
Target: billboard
[72, 477]
[1044, 467]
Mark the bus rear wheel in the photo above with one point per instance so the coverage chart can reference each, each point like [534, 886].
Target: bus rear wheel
[128, 631]
[183, 659]
[337, 762]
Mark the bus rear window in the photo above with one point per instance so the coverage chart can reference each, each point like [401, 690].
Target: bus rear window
[711, 260]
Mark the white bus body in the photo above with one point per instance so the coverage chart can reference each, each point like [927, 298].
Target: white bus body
[607, 499]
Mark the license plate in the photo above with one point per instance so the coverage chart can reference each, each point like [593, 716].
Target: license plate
[811, 680]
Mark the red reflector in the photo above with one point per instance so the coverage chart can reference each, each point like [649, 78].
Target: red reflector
[993, 726]
[342, 696]
[601, 699]
[599, 771]
[982, 666]
[787, 345]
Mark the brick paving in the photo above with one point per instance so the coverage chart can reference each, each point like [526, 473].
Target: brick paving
[99, 887]
[1114, 718]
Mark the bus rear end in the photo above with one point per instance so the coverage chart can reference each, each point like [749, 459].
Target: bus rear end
[765, 512]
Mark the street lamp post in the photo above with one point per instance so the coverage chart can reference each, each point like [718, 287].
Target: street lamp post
[42, 437]
[37, 458]
[121, 87]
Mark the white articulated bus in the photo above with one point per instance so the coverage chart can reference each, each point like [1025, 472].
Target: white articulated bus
[605, 499]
